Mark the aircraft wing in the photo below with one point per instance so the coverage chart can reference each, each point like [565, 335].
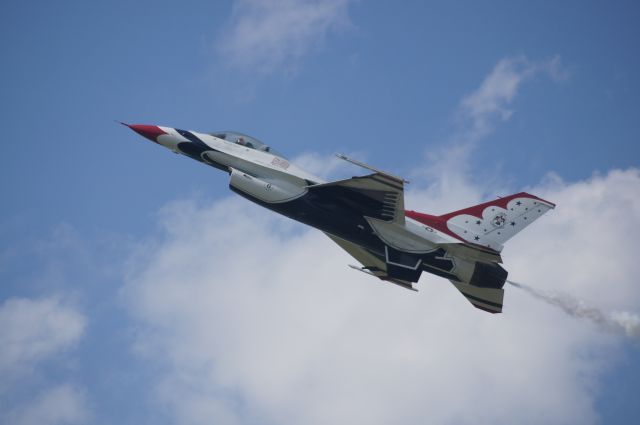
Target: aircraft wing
[378, 195]
[373, 265]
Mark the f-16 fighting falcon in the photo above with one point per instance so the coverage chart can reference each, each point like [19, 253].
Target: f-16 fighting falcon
[366, 216]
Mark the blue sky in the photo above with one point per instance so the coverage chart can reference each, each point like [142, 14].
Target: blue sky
[468, 100]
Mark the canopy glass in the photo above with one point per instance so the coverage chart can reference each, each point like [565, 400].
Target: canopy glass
[244, 140]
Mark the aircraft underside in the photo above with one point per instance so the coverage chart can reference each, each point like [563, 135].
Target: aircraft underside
[341, 221]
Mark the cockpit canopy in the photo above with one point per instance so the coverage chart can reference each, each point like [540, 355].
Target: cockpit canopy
[244, 140]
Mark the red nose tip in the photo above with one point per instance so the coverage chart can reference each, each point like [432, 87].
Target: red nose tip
[151, 132]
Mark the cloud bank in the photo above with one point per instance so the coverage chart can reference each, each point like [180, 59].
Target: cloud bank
[489, 104]
[267, 34]
[253, 320]
[35, 329]
[33, 332]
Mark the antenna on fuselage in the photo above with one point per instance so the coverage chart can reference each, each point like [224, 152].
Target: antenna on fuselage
[369, 167]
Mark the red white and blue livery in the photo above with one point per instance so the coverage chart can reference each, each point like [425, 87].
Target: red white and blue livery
[366, 216]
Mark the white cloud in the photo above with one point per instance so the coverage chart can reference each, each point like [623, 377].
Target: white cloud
[479, 113]
[595, 227]
[35, 329]
[326, 167]
[268, 34]
[31, 332]
[489, 104]
[60, 405]
[256, 322]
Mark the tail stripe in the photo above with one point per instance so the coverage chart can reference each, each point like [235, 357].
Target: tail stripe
[489, 225]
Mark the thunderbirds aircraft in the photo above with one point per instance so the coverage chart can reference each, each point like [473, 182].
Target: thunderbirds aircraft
[365, 215]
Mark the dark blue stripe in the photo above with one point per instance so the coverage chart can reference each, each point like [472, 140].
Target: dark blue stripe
[193, 139]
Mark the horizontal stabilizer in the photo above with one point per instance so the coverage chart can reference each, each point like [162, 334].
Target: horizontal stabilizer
[382, 276]
[487, 299]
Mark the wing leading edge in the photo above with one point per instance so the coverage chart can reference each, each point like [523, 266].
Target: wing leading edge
[375, 195]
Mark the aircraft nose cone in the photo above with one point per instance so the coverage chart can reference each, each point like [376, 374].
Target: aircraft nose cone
[151, 132]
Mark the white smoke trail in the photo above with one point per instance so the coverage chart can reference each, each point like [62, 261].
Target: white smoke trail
[617, 321]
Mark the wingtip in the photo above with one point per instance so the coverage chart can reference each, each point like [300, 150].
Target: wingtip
[551, 204]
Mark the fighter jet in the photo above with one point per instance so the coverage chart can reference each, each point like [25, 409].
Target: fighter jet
[366, 216]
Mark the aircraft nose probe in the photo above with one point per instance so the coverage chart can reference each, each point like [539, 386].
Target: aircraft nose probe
[150, 132]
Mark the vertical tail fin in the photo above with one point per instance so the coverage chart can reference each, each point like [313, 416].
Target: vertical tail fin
[493, 223]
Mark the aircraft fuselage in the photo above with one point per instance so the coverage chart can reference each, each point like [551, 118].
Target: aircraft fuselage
[365, 215]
